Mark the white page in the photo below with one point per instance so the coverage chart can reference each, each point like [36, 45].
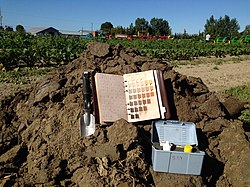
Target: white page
[110, 97]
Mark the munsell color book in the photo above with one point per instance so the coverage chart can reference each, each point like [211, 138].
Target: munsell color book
[134, 97]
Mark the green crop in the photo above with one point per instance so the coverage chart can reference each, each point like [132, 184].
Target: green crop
[22, 50]
[183, 49]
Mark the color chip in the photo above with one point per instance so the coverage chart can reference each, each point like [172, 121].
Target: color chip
[140, 94]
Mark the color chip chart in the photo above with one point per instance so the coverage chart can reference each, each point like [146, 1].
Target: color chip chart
[142, 103]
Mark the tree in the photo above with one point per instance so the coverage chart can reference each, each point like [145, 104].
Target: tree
[106, 27]
[233, 27]
[224, 27]
[8, 28]
[247, 30]
[159, 27]
[118, 30]
[131, 29]
[141, 25]
[20, 29]
[185, 34]
[210, 26]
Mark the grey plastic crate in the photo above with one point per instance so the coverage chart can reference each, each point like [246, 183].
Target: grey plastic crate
[176, 161]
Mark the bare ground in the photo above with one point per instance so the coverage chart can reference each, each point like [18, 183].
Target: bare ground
[219, 77]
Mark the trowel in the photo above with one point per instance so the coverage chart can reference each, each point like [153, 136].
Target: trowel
[87, 120]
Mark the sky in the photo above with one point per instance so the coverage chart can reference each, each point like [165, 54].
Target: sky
[74, 15]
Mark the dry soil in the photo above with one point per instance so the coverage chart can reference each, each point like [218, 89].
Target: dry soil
[219, 77]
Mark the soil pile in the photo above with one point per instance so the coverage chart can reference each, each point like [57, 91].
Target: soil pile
[40, 143]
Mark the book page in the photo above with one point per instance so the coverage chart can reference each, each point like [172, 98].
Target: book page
[111, 97]
[141, 96]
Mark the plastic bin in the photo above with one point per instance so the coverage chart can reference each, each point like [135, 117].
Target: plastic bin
[175, 160]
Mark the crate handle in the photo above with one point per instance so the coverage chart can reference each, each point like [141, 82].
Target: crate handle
[174, 122]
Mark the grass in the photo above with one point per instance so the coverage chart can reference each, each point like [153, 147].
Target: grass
[22, 75]
[243, 93]
[219, 62]
[215, 68]
[236, 60]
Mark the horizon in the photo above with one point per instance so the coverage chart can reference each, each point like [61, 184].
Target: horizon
[78, 15]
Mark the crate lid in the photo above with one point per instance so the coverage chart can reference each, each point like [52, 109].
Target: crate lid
[176, 132]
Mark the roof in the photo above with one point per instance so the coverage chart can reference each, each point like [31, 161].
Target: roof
[36, 30]
[74, 33]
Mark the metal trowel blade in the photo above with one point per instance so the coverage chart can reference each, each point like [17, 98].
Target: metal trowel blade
[87, 129]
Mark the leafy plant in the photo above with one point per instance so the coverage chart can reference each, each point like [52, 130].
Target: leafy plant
[245, 115]
[20, 50]
[243, 93]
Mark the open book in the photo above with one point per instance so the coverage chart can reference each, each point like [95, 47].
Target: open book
[134, 97]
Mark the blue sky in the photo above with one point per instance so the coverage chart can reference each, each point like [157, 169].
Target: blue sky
[74, 15]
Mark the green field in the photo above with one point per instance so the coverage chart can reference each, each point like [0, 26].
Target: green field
[21, 50]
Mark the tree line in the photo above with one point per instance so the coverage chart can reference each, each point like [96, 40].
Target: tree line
[223, 27]
[156, 26]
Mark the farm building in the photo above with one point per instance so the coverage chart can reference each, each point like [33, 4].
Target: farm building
[75, 33]
[52, 31]
[43, 31]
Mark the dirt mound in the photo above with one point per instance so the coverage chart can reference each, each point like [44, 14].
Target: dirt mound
[40, 142]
